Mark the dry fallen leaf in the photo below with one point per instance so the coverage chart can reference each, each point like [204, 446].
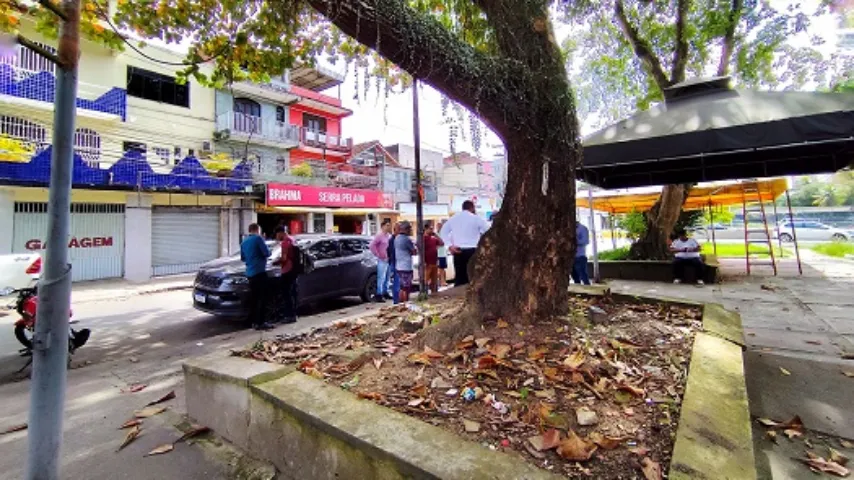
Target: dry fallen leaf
[194, 431]
[574, 448]
[419, 390]
[148, 412]
[131, 436]
[632, 389]
[846, 444]
[792, 433]
[785, 372]
[651, 469]
[164, 398]
[499, 350]
[481, 342]
[640, 451]
[849, 374]
[378, 362]
[502, 323]
[768, 422]
[136, 388]
[547, 441]
[416, 402]
[486, 362]
[420, 358]
[772, 435]
[370, 395]
[432, 353]
[817, 463]
[165, 448]
[575, 360]
[837, 456]
[14, 428]
[130, 423]
[605, 442]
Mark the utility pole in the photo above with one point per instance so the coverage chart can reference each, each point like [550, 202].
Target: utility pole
[50, 340]
[419, 202]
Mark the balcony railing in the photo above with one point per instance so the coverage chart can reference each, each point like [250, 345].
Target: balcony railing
[41, 86]
[321, 174]
[256, 127]
[315, 139]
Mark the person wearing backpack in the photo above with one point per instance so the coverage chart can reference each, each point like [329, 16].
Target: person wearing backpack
[291, 262]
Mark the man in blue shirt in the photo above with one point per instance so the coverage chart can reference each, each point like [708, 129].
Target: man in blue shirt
[254, 253]
[579, 265]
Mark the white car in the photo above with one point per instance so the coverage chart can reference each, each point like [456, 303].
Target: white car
[19, 270]
[808, 230]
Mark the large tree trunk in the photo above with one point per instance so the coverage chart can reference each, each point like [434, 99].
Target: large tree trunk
[660, 220]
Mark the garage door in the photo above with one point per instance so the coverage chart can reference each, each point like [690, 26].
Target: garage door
[96, 247]
[183, 239]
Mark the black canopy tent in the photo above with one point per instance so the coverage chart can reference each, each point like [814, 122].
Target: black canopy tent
[706, 131]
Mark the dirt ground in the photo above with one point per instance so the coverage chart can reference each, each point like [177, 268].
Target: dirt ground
[596, 394]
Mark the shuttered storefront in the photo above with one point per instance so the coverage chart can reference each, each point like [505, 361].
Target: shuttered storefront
[96, 247]
[183, 239]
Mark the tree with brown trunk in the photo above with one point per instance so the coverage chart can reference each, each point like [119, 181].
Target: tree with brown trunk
[496, 58]
[627, 52]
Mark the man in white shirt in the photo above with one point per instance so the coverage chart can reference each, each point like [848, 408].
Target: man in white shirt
[687, 253]
[462, 232]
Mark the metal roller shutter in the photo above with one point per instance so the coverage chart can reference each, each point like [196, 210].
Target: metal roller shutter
[183, 239]
[96, 248]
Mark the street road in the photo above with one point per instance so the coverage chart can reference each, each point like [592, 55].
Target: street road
[145, 325]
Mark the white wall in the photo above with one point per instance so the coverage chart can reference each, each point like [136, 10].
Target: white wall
[7, 213]
[138, 238]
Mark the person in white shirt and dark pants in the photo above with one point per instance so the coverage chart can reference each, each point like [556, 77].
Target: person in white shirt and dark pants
[462, 232]
[687, 253]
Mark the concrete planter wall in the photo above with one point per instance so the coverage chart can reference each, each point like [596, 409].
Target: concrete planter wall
[649, 270]
[309, 429]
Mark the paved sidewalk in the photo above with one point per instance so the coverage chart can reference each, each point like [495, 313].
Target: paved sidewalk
[119, 288]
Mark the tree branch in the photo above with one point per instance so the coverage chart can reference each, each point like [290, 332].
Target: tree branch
[729, 37]
[641, 47]
[38, 49]
[680, 56]
[429, 52]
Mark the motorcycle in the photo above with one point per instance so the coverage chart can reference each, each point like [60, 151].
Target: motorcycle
[26, 304]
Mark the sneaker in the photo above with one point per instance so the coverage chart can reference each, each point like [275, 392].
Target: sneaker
[263, 326]
[676, 280]
[379, 299]
[700, 283]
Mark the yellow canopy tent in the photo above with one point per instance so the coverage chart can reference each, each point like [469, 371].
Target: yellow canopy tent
[717, 194]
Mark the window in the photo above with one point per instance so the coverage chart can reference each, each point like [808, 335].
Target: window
[314, 123]
[281, 164]
[158, 88]
[162, 154]
[87, 144]
[24, 130]
[26, 59]
[134, 146]
[350, 247]
[247, 115]
[324, 250]
[280, 114]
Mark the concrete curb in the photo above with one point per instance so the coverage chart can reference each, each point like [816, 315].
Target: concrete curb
[714, 438]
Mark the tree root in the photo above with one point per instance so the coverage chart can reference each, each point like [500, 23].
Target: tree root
[444, 335]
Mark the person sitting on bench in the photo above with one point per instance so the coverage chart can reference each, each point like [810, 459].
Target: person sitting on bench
[687, 253]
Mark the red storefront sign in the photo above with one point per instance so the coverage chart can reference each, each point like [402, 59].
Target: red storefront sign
[279, 195]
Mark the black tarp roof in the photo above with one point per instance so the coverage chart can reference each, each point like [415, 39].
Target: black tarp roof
[705, 131]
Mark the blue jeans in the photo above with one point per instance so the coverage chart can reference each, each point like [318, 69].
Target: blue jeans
[382, 277]
[579, 270]
[395, 287]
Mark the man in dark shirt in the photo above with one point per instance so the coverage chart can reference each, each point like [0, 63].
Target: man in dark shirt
[432, 242]
[288, 280]
[254, 253]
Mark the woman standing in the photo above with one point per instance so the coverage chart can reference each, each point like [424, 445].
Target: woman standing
[443, 259]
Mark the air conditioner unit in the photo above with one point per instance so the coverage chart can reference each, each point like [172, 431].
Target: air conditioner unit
[206, 147]
[370, 162]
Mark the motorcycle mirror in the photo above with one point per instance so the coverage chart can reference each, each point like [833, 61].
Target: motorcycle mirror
[6, 291]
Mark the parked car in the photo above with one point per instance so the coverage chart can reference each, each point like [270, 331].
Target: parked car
[808, 230]
[722, 232]
[342, 266]
[19, 270]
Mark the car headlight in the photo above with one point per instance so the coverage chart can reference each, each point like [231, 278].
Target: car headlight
[236, 280]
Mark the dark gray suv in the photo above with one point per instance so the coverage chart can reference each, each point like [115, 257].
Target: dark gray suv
[342, 266]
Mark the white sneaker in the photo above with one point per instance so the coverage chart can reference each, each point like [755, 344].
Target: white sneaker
[700, 282]
[676, 280]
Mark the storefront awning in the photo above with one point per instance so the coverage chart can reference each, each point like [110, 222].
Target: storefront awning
[360, 211]
[261, 208]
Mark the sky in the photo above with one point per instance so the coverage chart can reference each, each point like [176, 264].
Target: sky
[369, 122]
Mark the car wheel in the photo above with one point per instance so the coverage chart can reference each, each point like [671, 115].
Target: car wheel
[785, 237]
[838, 237]
[369, 289]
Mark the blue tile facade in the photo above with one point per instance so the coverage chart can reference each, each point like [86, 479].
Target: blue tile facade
[41, 87]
